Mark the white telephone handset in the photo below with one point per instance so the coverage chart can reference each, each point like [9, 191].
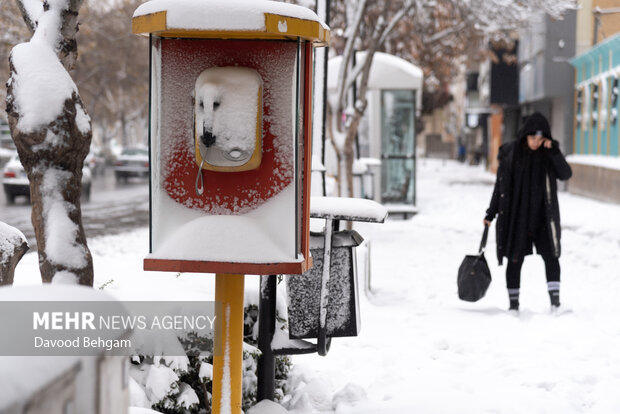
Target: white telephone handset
[228, 118]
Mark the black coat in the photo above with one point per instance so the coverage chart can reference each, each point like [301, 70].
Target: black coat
[555, 167]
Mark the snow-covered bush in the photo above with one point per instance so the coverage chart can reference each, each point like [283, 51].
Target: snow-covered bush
[181, 385]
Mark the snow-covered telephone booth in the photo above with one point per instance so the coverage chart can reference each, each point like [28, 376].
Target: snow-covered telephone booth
[230, 136]
[230, 108]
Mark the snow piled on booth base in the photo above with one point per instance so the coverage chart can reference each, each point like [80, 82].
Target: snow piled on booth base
[420, 349]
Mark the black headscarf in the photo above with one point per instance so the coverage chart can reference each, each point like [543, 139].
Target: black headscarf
[533, 123]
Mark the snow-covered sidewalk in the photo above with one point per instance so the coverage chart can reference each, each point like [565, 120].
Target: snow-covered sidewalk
[421, 350]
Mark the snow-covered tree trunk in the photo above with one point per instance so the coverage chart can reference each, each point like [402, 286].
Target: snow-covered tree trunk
[13, 246]
[52, 133]
[343, 139]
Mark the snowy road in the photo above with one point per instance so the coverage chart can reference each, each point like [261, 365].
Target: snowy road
[421, 350]
[113, 208]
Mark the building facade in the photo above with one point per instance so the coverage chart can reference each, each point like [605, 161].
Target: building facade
[596, 159]
[545, 74]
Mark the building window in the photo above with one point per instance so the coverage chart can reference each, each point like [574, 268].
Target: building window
[603, 115]
[594, 104]
[614, 101]
[472, 82]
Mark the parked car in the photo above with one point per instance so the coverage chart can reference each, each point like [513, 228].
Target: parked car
[15, 181]
[5, 155]
[133, 162]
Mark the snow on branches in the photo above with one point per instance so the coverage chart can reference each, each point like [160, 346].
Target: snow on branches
[13, 246]
[375, 26]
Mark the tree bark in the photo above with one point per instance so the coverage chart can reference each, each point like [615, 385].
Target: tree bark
[67, 161]
[67, 49]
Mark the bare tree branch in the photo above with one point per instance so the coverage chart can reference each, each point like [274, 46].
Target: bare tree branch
[445, 33]
[348, 53]
[31, 11]
[395, 20]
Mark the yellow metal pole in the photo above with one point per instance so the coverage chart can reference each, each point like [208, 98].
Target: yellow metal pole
[228, 362]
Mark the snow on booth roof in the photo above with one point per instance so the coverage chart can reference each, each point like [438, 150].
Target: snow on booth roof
[387, 72]
[196, 18]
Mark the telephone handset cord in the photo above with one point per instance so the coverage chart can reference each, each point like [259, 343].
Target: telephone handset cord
[200, 188]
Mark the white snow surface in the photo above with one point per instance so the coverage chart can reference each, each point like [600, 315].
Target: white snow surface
[341, 207]
[140, 410]
[260, 236]
[50, 292]
[65, 277]
[187, 396]
[41, 85]
[60, 243]
[421, 349]
[605, 161]
[10, 238]
[267, 407]
[24, 376]
[206, 370]
[222, 14]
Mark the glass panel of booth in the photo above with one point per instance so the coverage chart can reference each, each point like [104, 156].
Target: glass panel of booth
[243, 216]
[398, 146]
[298, 110]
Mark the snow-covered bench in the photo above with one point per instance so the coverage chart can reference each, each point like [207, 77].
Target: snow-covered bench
[405, 210]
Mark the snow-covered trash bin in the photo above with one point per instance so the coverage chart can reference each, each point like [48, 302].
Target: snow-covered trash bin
[323, 301]
[305, 291]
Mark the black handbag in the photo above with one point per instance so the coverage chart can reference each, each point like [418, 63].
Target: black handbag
[474, 275]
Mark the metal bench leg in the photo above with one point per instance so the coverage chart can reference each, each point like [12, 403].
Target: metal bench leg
[323, 342]
[368, 270]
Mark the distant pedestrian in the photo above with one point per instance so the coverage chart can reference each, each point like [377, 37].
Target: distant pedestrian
[461, 151]
[526, 203]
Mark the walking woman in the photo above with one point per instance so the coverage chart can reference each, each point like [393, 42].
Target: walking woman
[525, 202]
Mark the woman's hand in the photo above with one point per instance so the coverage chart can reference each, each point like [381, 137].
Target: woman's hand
[547, 143]
[486, 222]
